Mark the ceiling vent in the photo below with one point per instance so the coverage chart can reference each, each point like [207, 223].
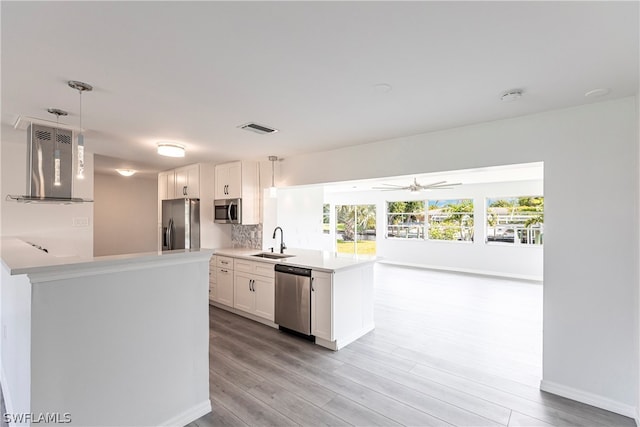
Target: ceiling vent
[254, 127]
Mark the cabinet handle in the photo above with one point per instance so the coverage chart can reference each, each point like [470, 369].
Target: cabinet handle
[253, 285]
[312, 289]
[184, 190]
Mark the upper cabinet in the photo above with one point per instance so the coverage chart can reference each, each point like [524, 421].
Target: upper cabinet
[229, 180]
[166, 185]
[179, 183]
[240, 180]
[188, 181]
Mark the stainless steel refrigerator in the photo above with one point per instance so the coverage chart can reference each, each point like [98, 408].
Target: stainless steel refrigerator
[180, 224]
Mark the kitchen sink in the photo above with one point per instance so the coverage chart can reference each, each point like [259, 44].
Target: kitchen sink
[271, 255]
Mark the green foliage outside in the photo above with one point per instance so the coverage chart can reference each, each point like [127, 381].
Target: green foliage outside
[451, 219]
[523, 216]
[355, 219]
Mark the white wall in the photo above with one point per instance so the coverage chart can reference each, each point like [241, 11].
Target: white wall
[522, 261]
[15, 309]
[299, 213]
[51, 226]
[590, 154]
[125, 211]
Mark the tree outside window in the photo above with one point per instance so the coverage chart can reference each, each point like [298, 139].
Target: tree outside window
[356, 229]
[326, 218]
[450, 220]
[405, 220]
[515, 220]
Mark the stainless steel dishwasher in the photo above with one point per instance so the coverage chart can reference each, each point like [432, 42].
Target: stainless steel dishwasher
[293, 299]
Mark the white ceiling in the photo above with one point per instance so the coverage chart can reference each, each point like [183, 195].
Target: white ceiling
[192, 72]
[505, 173]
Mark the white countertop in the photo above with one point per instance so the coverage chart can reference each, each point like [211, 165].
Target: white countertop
[19, 257]
[314, 259]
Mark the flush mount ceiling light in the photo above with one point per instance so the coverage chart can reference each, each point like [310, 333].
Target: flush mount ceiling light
[170, 149]
[126, 172]
[511, 95]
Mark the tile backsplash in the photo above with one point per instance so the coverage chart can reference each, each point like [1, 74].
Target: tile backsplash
[246, 236]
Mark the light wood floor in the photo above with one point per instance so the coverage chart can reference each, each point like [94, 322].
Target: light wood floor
[448, 349]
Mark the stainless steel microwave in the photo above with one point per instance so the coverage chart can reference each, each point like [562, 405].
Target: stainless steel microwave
[227, 211]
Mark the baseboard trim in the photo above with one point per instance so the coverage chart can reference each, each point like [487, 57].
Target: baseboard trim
[189, 415]
[243, 314]
[464, 270]
[589, 398]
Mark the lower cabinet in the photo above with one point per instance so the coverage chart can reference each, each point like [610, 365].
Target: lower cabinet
[224, 291]
[254, 289]
[213, 285]
[255, 295]
[321, 305]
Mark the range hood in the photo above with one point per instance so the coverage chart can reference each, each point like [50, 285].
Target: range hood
[49, 166]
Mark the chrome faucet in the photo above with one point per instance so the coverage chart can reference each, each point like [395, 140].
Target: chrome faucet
[282, 245]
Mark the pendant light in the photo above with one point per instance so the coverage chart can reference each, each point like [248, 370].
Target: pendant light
[273, 192]
[56, 152]
[80, 87]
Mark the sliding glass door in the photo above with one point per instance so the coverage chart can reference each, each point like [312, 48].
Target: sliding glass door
[356, 229]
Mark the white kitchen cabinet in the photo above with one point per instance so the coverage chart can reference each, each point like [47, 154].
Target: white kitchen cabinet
[240, 180]
[166, 185]
[321, 305]
[254, 288]
[213, 285]
[228, 178]
[243, 297]
[180, 182]
[187, 181]
[224, 281]
[264, 289]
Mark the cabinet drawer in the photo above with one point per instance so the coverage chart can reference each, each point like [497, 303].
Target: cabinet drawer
[224, 262]
[255, 267]
[243, 265]
[265, 269]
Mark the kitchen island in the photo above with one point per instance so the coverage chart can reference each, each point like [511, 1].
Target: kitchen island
[341, 291]
[117, 340]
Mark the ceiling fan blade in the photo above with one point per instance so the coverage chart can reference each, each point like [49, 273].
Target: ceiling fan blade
[443, 184]
[435, 184]
[390, 187]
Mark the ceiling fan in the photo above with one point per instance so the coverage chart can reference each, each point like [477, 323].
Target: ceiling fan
[416, 187]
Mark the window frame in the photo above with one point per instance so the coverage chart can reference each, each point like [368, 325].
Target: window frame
[515, 228]
[460, 228]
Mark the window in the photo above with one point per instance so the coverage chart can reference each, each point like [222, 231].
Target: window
[450, 219]
[515, 220]
[405, 220]
[326, 218]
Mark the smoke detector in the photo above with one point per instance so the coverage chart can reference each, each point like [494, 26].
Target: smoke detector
[255, 127]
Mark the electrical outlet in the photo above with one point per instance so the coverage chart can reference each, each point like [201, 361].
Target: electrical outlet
[81, 221]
